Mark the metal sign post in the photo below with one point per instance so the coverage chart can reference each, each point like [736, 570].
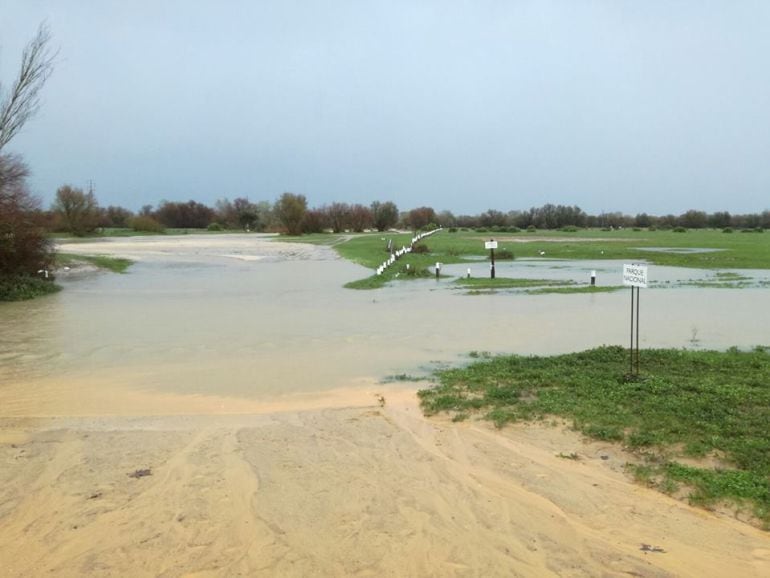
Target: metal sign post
[634, 276]
[491, 245]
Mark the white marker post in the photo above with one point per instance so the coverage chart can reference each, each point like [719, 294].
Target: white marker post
[635, 276]
[491, 245]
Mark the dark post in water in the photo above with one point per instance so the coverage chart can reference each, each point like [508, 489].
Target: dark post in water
[492, 246]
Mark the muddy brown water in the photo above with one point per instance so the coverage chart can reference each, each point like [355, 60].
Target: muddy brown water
[245, 316]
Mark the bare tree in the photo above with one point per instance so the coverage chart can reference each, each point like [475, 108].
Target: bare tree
[22, 102]
[78, 211]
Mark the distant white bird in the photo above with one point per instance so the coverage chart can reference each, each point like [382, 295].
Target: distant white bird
[542, 253]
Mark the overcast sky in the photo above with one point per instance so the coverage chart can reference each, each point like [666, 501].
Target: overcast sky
[633, 106]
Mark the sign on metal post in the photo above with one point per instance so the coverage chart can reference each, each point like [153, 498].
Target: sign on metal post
[634, 276]
[491, 245]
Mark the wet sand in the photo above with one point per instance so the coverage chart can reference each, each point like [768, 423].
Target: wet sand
[341, 489]
[313, 480]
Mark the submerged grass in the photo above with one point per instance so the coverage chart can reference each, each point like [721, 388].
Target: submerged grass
[114, 264]
[688, 403]
[577, 289]
[509, 283]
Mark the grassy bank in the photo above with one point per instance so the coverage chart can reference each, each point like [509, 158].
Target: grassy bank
[23, 287]
[688, 404]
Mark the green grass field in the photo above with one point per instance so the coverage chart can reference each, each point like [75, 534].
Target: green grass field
[692, 404]
[736, 250]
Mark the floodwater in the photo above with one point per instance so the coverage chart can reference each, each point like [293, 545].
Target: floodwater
[246, 316]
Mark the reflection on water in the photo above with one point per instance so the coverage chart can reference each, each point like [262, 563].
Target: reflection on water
[228, 322]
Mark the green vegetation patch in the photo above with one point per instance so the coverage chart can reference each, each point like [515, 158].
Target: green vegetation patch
[687, 403]
[114, 264]
[398, 270]
[23, 287]
[577, 289]
[509, 283]
[465, 246]
[725, 280]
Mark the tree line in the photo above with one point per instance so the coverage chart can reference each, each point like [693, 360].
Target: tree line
[77, 211]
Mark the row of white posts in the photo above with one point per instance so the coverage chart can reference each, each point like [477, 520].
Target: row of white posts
[396, 255]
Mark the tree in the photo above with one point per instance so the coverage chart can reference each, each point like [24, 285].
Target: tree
[385, 215]
[360, 218]
[493, 218]
[22, 102]
[114, 216]
[338, 216]
[720, 220]
[247, 213]
[238, 214]
[693, 219]
[315, 221]
[420, 218]
[78, 211]
[189, 215]
[24, 249]
[290, 210]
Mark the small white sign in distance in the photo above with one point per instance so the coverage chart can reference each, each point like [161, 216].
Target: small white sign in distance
[490, 244]
[635, 275]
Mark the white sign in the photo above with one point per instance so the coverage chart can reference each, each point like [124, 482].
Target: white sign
[635, 275]
[490, 245]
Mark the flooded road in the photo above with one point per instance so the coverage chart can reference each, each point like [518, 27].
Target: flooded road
[247, 317]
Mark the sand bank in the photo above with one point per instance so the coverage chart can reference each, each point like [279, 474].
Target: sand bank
[325, 488]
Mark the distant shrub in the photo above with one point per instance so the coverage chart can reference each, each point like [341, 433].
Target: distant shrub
[680, 230]
[214, 227]
[757, 230]
[727, 230]
[146, 224]
[606, 228]
[504, 254]
[652, 228]
[637, 229]
[569, 229]
[420, 248]
[481, 229]
[452, 229]
[513, 230]
[531, 229]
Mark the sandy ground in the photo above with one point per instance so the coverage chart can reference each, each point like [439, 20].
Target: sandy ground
[324, 487]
